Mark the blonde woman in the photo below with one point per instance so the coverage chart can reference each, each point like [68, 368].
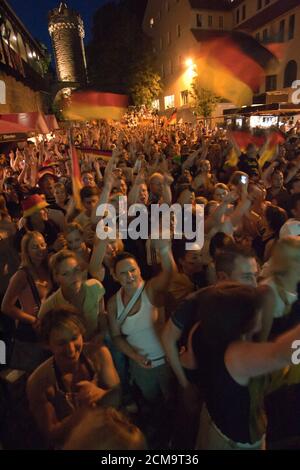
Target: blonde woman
[29, 286]
[85, 295]
[283, 281]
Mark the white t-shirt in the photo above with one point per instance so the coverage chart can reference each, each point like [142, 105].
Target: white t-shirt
[280, 306]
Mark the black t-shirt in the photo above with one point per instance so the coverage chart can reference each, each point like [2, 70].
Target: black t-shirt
[248, 164]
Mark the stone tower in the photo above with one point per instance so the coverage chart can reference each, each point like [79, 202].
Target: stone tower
[67, 32]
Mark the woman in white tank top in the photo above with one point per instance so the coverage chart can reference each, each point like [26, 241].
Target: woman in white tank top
[134, 319]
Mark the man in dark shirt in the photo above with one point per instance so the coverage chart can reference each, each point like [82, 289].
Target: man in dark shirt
[277, 194]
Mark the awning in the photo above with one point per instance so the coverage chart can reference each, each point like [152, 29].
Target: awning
[51, 122]
[35, 121]
[11, 131]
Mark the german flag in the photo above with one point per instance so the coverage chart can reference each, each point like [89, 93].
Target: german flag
[172, 121]
[276, 138]
[234, 66]
[88, 105]
[76, 177]
[101, 154]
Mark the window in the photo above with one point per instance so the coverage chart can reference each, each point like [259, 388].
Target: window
[291, 27]
[265, 35]
[281, 31]
[244, 12]
[238, 16]
[221, 22]
[184, 95]
[169, 38]
[210, 21]
[178, 31]
[271, 82]
[257, 36]
[199, 20]
[169, 101]
[259, 4]
[151, 22]
[290, 73]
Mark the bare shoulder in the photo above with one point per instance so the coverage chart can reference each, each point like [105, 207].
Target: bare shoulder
[112, 305]
[19, 278]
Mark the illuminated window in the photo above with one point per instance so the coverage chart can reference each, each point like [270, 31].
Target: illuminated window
[184, 95]
[151, 22]
[169, 101]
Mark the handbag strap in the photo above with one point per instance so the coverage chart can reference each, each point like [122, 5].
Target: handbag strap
[124, 314]
[35, 292]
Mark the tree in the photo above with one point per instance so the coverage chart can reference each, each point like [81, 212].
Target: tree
[145, 87]
[45, 60]
[205, 101]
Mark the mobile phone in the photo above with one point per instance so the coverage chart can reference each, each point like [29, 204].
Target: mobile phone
[244, 179]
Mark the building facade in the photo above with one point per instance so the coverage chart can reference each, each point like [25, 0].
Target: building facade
[67, 33]
[178, 27]
[24, 86]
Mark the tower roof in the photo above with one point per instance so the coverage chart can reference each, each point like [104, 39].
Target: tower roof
[62, 6]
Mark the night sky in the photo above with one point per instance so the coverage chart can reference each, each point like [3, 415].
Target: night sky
[33, 13]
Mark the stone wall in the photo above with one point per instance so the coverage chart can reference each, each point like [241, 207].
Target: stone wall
[20, 98]
[67, 33]
[68, 50]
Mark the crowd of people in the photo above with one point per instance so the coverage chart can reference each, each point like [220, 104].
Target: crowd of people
[134, 343]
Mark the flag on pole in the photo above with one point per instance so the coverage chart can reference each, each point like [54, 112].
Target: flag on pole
[276, 138]
[76, 176]
[172, 121]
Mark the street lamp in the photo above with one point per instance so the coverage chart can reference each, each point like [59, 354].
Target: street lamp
[189, 63]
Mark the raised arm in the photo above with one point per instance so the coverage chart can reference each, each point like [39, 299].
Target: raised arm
[245, 360]
[159, 284]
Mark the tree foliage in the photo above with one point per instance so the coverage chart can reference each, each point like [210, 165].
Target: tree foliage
[145, 87]
[205, 101]
[120, 54]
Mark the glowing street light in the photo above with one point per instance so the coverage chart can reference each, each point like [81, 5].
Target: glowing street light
[189, 63]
